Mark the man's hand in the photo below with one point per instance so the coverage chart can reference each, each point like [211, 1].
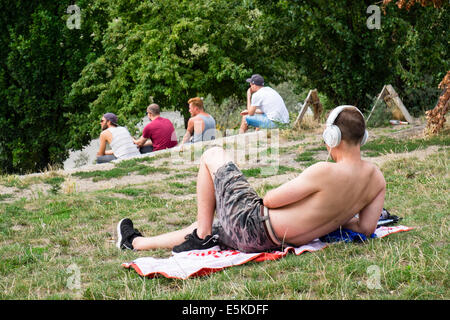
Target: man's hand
[249, 93]
[140, 142]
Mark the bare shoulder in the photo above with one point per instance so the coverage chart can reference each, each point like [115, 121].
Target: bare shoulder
[376, 173]
[194, 120]
[319, 168]
[106, 135]
[191, 122]
[322, 165]
[373, 167]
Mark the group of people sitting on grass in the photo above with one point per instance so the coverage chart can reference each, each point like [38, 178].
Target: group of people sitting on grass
[265, 109]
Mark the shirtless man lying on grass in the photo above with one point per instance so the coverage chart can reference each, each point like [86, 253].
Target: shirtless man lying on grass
[322, 198]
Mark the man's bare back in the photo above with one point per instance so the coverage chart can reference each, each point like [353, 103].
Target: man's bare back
[324, 197]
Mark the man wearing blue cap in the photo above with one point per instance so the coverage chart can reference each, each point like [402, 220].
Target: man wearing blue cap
[265, 107]
[120, 140]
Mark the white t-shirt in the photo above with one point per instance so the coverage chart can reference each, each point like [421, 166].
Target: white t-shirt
[271, 103]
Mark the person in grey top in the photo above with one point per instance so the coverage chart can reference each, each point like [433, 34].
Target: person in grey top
[201, 125]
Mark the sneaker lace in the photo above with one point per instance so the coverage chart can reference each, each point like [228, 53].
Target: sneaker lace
[212, 238]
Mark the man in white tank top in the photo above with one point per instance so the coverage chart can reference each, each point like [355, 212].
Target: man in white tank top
[119, 139]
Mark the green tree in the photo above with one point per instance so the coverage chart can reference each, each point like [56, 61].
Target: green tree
[332, 49]
[168, 51]
[40, 59]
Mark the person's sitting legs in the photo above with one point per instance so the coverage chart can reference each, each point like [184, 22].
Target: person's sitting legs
[260, 121]
[106, 158]
[146, 149]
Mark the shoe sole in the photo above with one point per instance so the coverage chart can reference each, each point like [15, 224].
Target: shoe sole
[119, 234]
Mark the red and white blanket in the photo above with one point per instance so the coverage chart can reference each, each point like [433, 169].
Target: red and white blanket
[196, 263]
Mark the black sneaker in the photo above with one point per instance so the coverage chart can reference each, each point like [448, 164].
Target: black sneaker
[193, 242]
[386, 219]
[126, 234]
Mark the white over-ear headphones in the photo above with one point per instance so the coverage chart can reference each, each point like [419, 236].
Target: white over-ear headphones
[332, 133]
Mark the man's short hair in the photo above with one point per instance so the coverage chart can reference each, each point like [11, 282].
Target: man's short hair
[198, 102]
[154, 109]
[352, 125]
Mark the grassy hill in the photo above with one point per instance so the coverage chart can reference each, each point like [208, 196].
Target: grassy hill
[58, 227]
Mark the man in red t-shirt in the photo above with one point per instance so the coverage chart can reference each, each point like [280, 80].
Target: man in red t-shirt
[159, 131]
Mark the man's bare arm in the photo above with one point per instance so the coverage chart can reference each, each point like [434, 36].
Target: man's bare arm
[102, 148]
[189, 131]
[366, 222]
[307, 183]
[250, 109]
[105, 137]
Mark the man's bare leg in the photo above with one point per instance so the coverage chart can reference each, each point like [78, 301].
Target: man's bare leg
[165, 241]
[211, 160]
[244, 126]
[206, 201]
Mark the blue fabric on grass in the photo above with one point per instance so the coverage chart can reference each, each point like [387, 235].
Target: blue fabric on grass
[345, 235]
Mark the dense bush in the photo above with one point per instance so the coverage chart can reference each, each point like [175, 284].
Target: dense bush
[39, 60]
[333, 50]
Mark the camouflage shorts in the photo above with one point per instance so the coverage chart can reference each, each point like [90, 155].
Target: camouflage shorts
[238, 212]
